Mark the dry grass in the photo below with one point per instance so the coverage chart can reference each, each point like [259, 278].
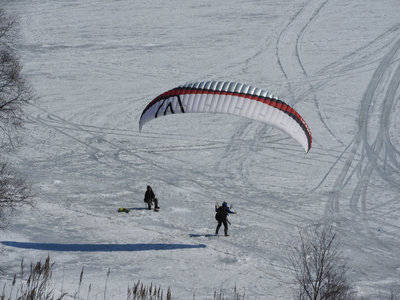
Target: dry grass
[139, 291]
[37, 285]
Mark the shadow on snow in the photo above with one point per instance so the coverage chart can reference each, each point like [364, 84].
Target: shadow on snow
[202, 235]
[99, 247]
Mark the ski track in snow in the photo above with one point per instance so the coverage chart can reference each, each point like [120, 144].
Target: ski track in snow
[382, 142]
[297, 26]
[377, 160]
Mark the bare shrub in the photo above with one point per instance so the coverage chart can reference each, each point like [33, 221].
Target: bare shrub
[319, 266]
[14, 192]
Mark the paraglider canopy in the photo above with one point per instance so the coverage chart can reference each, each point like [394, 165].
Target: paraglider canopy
[230, 98]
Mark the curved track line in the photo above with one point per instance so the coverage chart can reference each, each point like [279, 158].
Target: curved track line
[301, 71]
[370, 154]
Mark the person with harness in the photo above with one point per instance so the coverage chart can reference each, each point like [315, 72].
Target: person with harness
[222, 217]
[149, 198]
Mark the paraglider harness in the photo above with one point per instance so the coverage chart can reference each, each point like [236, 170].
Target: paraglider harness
[150, 200]
[220, 212]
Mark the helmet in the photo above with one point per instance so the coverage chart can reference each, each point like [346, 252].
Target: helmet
[225, 204]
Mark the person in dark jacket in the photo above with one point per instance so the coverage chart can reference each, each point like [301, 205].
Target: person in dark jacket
[149, 198]
[222, 217]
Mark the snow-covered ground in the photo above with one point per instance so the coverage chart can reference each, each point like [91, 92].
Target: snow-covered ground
[96, 64]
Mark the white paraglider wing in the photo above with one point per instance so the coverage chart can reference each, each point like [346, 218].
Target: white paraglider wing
[230, 98]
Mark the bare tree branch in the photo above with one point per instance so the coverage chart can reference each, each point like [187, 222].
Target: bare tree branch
[14, 192]
[14, 89]
[14, 93]
[319, 267]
